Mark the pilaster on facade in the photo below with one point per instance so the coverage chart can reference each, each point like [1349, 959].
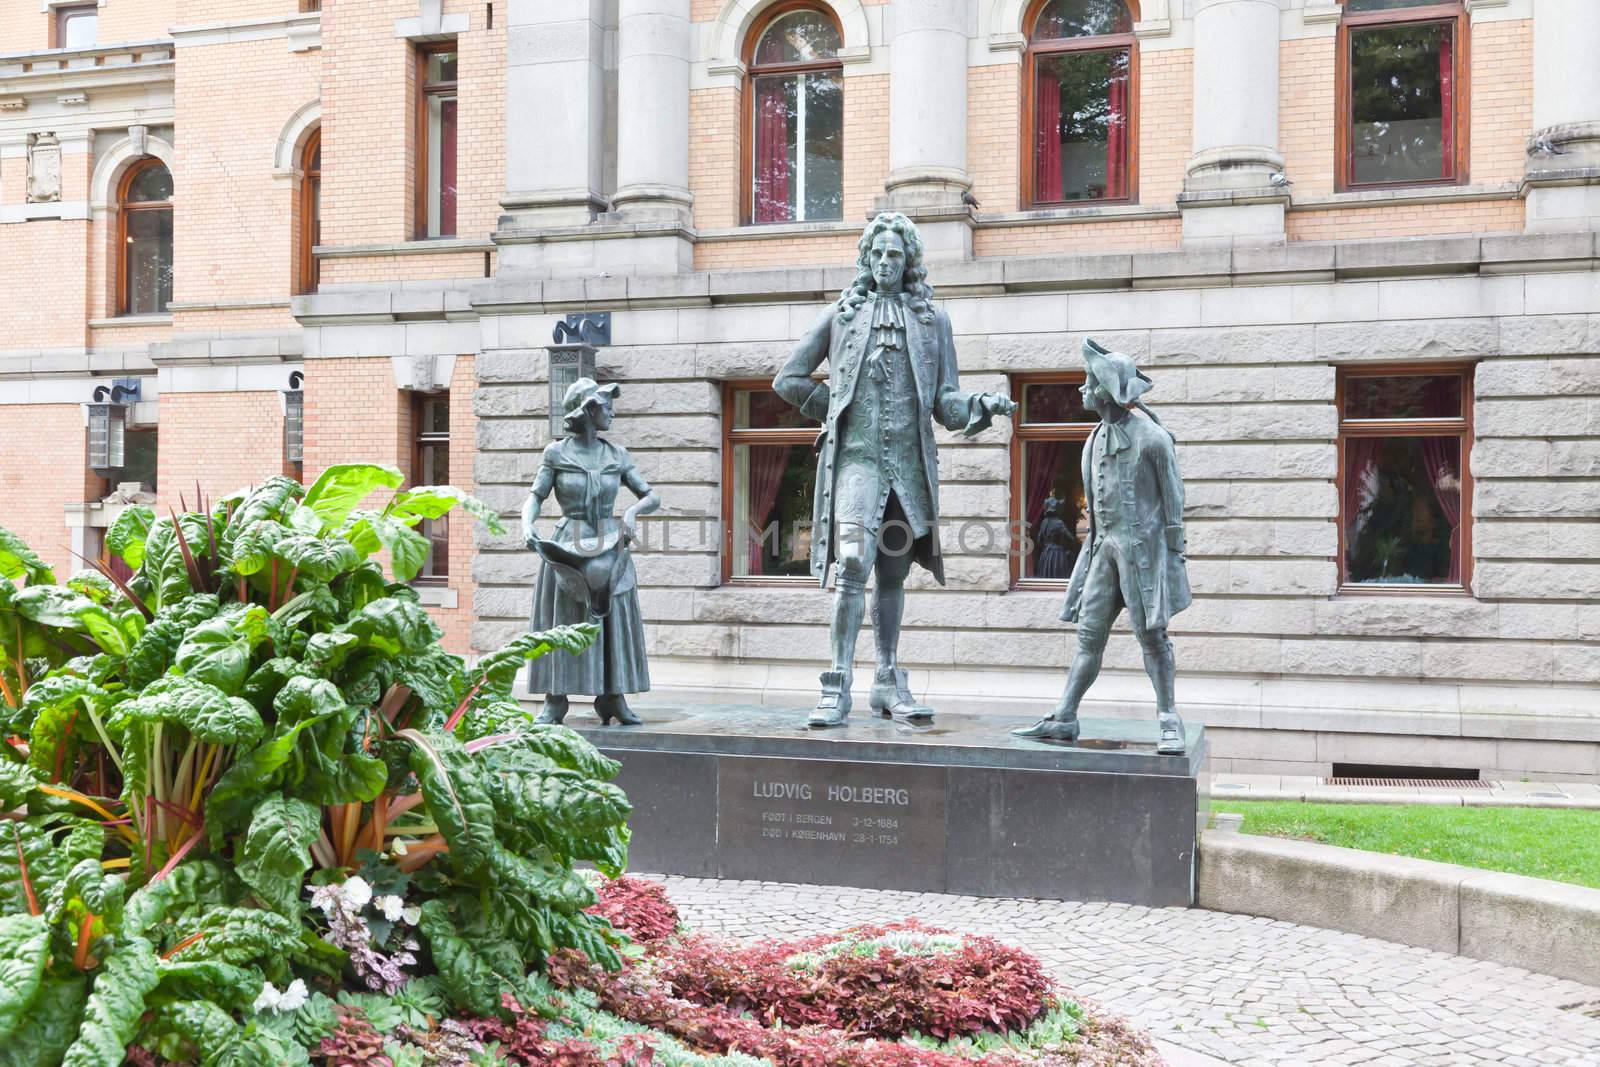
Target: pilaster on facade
[1562, 173]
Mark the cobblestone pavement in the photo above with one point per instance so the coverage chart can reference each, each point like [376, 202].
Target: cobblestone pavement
[1247, 991]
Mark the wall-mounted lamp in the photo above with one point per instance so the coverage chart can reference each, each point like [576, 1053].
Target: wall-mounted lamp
[294, 419]
[108, 422]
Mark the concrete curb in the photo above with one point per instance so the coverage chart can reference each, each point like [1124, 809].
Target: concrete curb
[1548, 927]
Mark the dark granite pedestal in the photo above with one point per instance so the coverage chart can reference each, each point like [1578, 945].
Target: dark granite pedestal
[960, 806]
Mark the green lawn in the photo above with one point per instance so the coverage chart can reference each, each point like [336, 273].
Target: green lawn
[1562, 844]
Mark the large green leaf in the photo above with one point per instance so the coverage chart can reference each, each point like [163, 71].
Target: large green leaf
[560, 745]
[432, 501]
[236, 987]
[498, 670]
[328, 771]
[205, 711]
[164, 565]
[338, 490]
[53, 1020]
[235, 935]
[17, 781]
[321, 559]
[370, 531]
[218, 651]
[192, 887]
[562, 801]
[276, 853]
[111, 1016]
[50, 847]
[270, 500]
[24, 948]
[17, 560]
[154, 652]
[254, 546]
[55, 605]
[457, 798]
[61, 723]
[470, 979]
[126, 535]
[394, 626]
[253, 774]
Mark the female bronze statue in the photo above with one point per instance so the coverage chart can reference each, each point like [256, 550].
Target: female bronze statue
[587, 570]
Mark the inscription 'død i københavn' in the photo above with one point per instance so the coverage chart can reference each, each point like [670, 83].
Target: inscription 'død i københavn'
[868, 822]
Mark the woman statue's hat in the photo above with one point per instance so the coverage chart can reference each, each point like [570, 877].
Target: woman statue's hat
[587, 391]
[1116, 373]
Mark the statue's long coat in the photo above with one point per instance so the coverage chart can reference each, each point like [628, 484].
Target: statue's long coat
[932, 350]
[1142, 480]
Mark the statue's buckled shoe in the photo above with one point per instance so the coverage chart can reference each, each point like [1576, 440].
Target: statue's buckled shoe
[1050, 728]
[1170, 738]
[891, 696]
[833, 706]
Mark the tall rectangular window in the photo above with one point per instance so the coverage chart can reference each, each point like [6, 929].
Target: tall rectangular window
[1405, 489]
[1049, 511]
[795, 139]
[1400, 76]
[432, 467]
[769, 482]
[436, 142]
[77, 26]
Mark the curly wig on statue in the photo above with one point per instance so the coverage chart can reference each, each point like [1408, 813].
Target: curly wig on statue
[918, 292]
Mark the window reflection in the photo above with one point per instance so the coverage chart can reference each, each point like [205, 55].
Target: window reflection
[797, 115]
[1403, 510]
[1402, 106]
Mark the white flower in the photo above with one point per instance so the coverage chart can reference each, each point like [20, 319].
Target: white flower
[295, 997]
[276, 1002]
[398, 846]
[412, 915]
[356, 892]
[391, 906]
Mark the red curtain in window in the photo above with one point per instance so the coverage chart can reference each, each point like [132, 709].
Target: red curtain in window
[772, 153]
[1047, 132]
[1043, 463]
[1360, 485]
[1442, 457]
[447, 167]
[1117, 135]
[1447, 94]
[767, 464]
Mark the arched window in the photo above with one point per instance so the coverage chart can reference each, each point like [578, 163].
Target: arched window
[307, 274]
[1402, 75]
[145, 248]
[795, 109]
[1078, 104]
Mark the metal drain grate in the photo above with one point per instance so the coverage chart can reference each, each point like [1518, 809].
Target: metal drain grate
[1410, 783]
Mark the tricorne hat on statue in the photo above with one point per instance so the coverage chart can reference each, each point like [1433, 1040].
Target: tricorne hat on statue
[1116, 373]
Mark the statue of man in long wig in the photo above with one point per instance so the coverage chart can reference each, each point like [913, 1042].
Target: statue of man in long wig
[891, 374]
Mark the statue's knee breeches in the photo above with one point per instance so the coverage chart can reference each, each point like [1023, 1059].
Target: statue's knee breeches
[1092, 637]
[1154, 641]
[855, 551]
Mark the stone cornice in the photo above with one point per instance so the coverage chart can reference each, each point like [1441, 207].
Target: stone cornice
[57, 72]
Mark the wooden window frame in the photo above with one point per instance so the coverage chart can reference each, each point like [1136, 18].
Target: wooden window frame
[61, 14]
[732, 437]
[308, 272]
[124, 209]
[425, 89]
[1105, 43]
[1021, 434]
[747, 120]
[1461, 105]
[1462, 427]
[421, 438]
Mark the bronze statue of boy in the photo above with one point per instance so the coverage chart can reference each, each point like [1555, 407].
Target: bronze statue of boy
[891, 373]
[1133, 556]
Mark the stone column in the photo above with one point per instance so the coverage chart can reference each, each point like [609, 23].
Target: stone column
[927, 122]
[1563, 167]
[1227, 190]
[555, 114]
[653, 46]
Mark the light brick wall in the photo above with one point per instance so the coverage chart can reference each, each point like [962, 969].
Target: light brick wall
[1502, 99]
[354, 413]
[1166, 102]
[237, 237]
[994, 125]
[1307, 106]
[831, 250]
[1129, 235]
[137, 20]
[370, 269]
[714, 121]
[43, 468]
[220, 441]
[1408, 220]
[50, 312]
[369, 134]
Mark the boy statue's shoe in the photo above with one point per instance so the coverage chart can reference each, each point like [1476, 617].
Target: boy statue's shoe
[1170, 738]
[1051, 728]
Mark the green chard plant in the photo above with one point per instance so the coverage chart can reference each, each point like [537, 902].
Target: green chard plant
[247, 779]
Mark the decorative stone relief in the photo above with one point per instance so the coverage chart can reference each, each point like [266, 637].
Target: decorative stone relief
[44, 168]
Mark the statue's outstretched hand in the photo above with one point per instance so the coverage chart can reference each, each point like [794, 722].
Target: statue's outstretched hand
[996, 404]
